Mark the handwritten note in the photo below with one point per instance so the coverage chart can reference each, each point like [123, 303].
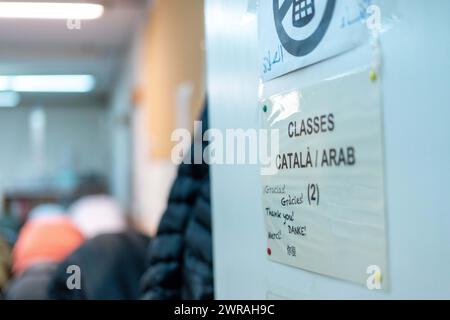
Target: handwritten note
[324, 204]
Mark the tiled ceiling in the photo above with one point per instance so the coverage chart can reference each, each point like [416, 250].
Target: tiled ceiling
[50, 47]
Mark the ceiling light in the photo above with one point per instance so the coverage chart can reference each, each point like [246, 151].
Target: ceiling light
[9, 99]
[50, 10]
[48, 83]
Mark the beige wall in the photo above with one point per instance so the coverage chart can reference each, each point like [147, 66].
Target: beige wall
[169, 61]
[173, 57]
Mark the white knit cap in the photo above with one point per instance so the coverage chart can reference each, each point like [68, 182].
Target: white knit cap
[95, 215]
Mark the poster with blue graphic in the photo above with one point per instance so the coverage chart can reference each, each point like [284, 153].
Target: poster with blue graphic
[294, 34]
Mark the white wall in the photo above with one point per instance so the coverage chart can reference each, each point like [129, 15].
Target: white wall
[74, 136]
[139, 183]
[152, 179]
[416, 51]
[120, 135]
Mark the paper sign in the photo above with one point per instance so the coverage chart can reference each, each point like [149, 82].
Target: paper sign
[324, 205]
[297, 33]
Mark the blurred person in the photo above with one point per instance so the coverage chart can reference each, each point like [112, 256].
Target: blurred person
[32, 284]
[46, 210]
[46, 237]
[43, 242]
[5, 263]
[98, 214]
[9, 228]
[110, 266]
[180, 256]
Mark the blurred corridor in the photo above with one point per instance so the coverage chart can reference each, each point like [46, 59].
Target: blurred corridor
[87, 107]
[112, 137]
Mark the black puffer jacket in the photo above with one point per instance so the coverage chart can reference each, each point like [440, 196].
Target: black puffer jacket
[180, 256]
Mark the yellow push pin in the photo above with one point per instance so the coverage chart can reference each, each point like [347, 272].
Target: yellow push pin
[378, 277]
[373, 75]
